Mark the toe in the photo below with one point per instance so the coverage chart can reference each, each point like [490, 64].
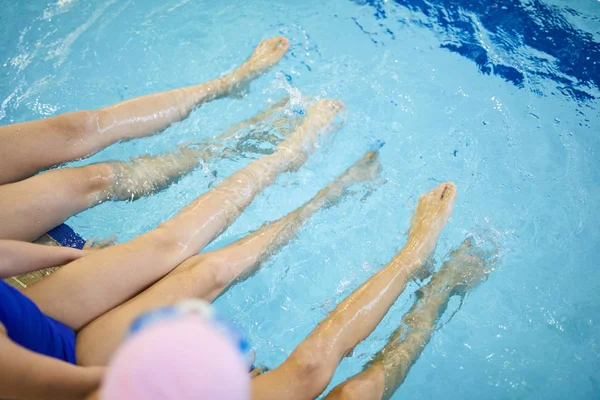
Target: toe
[369, 156]
[446, 191]
[327, 105]
[336, 105]
[467, 244]
[280, 43]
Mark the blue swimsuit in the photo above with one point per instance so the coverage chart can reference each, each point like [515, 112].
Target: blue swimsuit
[29, 327]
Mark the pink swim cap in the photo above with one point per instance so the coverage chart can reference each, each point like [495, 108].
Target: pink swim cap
[181, 359]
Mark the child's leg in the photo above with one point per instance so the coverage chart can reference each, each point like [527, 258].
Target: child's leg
[269, 126]
[206, 275]
[308, 370]
[31, 146]
[387, 371]
[85, 289]
[32, 207]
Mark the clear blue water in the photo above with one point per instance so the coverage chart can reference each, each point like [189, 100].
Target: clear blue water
[500, 97]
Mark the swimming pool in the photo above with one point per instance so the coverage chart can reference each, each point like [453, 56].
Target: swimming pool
[499, 97]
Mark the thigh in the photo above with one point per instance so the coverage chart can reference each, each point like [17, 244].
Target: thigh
[97, 341]
[28, 147]
[30, 208]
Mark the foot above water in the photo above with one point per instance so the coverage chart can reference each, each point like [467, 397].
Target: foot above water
[319, 117]
[316, 122]
[430, 217]
[265, 55]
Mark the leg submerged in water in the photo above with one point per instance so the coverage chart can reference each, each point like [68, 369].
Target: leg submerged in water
[243, 257]
[239, 260]
[83, 290]
[146, 175]
[74, 135]
[268, 126]
[308, 370]
[48, 199]
[206, 275]
[381, 377]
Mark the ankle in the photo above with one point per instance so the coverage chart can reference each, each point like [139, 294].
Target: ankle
[407, 262]
[414, 247]
[421, 244]
[229, 82]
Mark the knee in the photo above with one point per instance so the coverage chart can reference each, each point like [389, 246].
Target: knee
[209, 270]
[91, 181]
[121, 180]
[357, 390]
[213, 269]
[75, 125]
[311, 365]
[166, 241]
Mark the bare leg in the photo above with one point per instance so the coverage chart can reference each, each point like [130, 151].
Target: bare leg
[31, 146]
[387, 371]
[308, 370]
[48, 199]
[24, 280]
[32, 207]
[85, 289]
[261, 129]
[206, 275]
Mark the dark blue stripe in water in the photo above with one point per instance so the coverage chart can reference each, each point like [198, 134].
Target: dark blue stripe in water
[536, 25]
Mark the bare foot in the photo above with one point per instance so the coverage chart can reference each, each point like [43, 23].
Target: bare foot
[267, 127]
[284, 121]
[317, 122]
[322, 112]
[366, 169]
[469, 265]
[429, 219]
[265, 55]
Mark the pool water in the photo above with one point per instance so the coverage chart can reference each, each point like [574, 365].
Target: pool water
[499, 97]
